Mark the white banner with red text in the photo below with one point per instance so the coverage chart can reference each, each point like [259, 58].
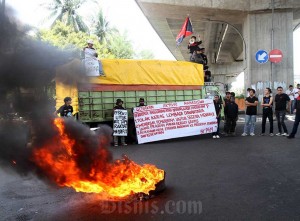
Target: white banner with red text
[171, 120]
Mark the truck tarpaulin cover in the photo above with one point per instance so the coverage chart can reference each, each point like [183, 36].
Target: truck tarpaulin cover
[129, 72]
[150, 72]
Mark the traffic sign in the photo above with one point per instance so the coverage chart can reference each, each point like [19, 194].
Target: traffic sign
[261, 56]
[275, 56]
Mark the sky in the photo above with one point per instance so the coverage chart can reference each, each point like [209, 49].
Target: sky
[126, 16]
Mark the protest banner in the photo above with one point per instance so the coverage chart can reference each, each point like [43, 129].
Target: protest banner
[171, 120]
[120, 122]
[91, 66]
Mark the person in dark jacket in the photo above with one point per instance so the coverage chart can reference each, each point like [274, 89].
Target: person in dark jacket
[282, 103]
[297, 119]
[231, 111]
[218, 108]
[119, 106]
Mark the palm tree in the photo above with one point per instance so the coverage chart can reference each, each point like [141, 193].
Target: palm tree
[103, 29]
[67, 12]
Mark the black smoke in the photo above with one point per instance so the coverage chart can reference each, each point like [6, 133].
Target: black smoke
[27, 71]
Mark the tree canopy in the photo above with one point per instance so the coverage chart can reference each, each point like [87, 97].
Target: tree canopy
[66, 11]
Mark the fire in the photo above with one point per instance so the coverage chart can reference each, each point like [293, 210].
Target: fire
[63, 160]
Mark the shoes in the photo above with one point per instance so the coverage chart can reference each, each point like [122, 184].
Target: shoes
[214, 136]
[252, 134]
[116, 145]
[290, 136]
[244, 134]
[284, 134]
[217, 136]
[278, 134]
[124, 144]
[271, 134]
[262, 134]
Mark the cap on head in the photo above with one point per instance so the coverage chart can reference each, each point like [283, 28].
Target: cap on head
[118, 101]
[90, 41]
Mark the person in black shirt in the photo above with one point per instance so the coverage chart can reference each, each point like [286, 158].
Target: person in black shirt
[218, 107]
[297, 118]
[231, 111]
[281, 102]
[66, 110]
[267, 104]
[251, 112]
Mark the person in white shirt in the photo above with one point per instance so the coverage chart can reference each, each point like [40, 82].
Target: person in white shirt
[297, 91]
[291, 93]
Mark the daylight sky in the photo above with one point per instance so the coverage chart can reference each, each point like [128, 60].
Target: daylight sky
[125, 15]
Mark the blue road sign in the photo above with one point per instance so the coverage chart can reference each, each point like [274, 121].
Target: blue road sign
[261, 56]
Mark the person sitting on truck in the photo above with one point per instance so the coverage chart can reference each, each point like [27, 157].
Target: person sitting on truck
[119, 106]
[90, 52]
[65, 110]
[193, 45]
[197, 57]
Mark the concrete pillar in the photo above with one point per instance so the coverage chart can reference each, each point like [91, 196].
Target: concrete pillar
[257, 32]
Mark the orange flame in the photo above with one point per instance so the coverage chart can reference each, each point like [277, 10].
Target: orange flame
[59, 161]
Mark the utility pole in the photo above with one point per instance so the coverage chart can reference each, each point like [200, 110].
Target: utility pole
[272, 40]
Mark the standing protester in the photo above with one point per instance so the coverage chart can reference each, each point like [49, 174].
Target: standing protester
[297, 92]
[65, 110]
[218, 107]
[291, 93]
[281, 102]
[141, 102]
[193, 45]
[227, 100]
[267, 105]
[132, 128]
[297, 119]
[119, 106]
[251, 103]
[231, 111]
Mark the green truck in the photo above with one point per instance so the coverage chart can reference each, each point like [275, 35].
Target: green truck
[155, 81]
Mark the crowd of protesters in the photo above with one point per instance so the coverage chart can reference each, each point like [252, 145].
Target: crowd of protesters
[282, 103]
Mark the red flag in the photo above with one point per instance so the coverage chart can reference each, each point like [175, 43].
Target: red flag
[186, 30]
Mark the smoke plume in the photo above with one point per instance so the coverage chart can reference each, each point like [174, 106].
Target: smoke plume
[27, 70]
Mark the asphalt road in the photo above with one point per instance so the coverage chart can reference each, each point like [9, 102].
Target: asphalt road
[232, 178]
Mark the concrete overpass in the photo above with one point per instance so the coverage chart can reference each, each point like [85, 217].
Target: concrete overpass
[232, 32]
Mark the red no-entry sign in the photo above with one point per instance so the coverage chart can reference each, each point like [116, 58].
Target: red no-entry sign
[275, 56]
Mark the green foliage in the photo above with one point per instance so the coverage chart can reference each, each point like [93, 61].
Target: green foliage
[64, 37]
[103, 29]
[117, 46]
[144, 54]
[121, 47]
